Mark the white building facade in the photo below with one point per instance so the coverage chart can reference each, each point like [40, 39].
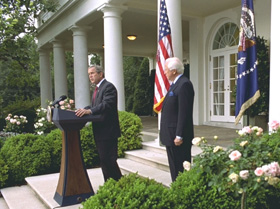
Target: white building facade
[204, 35]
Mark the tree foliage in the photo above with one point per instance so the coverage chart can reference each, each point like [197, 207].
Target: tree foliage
[131, 66]
[18, 18]
[19, 68]
[261, 106]
[142, 94]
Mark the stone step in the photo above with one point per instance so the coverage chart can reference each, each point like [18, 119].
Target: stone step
[22, 197]
[146, 157]
[129, 166]
[148, 136]
[45, 186]
[3, 204]
[155, 147]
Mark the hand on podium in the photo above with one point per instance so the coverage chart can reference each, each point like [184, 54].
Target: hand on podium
[82, 112]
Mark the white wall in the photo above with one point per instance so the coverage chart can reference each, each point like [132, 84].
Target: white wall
[212, 22]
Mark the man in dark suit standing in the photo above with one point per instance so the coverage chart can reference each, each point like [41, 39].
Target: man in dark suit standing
[176, 125]
[106, 132]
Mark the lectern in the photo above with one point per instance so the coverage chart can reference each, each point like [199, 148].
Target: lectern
[73, 184]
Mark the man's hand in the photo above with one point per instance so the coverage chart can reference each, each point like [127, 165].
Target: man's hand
[82, 112]
[178, 141]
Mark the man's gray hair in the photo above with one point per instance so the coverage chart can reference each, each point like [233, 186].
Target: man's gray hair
[98, 68]
[174, 63]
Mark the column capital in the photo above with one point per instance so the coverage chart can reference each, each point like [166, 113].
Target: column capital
[110, 10]
[57, 43]
[79, 30]
[43, 51]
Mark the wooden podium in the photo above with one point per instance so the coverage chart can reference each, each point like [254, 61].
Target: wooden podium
[73, 184]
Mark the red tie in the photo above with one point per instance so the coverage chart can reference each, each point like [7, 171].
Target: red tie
[94, 94]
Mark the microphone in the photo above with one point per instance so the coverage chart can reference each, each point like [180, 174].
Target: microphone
[61, 98]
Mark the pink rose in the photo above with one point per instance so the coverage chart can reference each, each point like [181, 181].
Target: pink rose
[247, 130]
[259, 171]
[244, 174]
[274, 125]
[274, 169]
[61, 103]
[234, 155]
[265, 169]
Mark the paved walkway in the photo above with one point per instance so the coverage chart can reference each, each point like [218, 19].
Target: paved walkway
[225, 135]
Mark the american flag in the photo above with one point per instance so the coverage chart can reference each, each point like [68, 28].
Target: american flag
[164, 51]
[247, 91]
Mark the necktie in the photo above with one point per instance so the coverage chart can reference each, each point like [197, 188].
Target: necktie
[94, 94]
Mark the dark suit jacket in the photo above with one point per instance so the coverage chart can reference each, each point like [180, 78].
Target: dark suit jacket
[177, 113]
[105, 103]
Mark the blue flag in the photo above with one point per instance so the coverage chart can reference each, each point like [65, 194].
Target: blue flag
[247, 91]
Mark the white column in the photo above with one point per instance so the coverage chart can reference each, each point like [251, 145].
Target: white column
[60, 75]
[151, 64]
[45, 77]
[81, 80]
[197, 75]
[274, 101]
[175, 20]
[113, 49]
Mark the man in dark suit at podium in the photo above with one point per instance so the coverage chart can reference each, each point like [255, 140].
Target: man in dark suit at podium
[107, 132]
[176, 125]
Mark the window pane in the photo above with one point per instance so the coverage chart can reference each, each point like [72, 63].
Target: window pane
[226, 36]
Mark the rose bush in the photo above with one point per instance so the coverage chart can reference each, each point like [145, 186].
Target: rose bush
[67, 104]
[15, 123]
[250, 166]
[42, 125]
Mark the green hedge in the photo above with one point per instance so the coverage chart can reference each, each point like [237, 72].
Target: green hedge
[131, 192]
[189, 191]
[131, 127]
[26, 155]
[90, 154]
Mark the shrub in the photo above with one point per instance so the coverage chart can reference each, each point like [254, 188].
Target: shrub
[15, 123]
[142, 93]
[42, 125]
[90, 155]
[24, 107]
[248, 171]
[131, 191]
[2, 123]
[3, 172]
[54, 140]
[131, 127]
[25, 155]
[191, 190]
[30, 116]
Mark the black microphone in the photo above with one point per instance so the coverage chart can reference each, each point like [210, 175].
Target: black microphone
[61, 98]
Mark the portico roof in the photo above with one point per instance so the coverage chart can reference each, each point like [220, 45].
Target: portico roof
[139, 18]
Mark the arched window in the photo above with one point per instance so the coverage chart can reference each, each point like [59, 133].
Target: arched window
[226, 36]
[223, 64]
